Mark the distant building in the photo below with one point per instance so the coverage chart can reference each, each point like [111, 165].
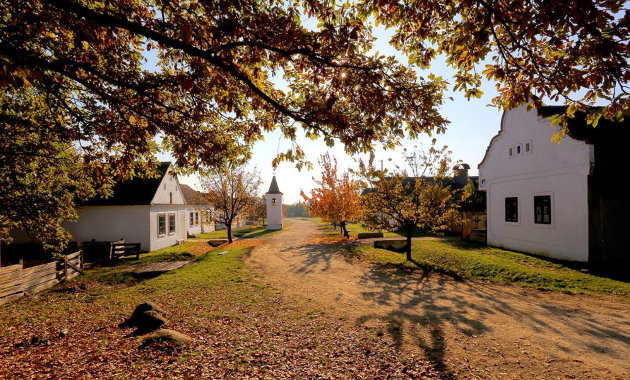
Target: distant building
[565, 200]
[198, 212]
[274, 206]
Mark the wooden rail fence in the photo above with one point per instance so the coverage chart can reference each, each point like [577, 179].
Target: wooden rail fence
[16, 281]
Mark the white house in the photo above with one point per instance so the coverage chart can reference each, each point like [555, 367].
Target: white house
[274, 206]
[151, 212]
[557, 200]
[198, 212]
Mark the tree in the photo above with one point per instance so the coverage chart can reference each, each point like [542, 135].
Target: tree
[74, 71]
[397, 200]
[231, 191]
[41, 180]
[336, 199]
[259, 210]
[575, 51]
[297, 210]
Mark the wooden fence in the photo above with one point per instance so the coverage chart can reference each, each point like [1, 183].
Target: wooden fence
[15, 281]
[470, 221]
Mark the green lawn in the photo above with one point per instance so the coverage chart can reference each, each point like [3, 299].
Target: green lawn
[354, 229]
[471, 260]
[240, 327]
[242, 231]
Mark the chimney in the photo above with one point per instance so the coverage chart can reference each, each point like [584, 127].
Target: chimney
[460, 174]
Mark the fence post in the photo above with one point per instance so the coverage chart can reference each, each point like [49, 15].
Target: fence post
[65, 268]
[22, 263]
[80, 246]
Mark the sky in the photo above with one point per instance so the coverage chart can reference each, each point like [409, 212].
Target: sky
[472, 125]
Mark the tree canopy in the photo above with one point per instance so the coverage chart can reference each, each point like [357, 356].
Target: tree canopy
[573, 51]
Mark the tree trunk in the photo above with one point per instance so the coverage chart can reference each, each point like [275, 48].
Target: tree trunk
[409, 232]
[229, 231]
[344, 230]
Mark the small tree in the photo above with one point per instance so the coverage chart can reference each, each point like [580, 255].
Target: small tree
[259, 210]
[337, 198]
[398, 201]
[230, 191]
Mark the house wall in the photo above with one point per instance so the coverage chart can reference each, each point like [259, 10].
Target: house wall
[169, 186]
[274, 212]
[559, 170]
[167, 240]
[109, 223]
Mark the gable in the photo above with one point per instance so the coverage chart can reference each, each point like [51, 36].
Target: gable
[524, 146]
[169, 190]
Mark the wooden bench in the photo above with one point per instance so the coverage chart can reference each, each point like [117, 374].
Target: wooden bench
[120, 248]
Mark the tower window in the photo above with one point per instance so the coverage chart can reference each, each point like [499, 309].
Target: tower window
[511, 152]
[273, 201]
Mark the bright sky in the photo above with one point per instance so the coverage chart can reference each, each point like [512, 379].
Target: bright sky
[472, 125]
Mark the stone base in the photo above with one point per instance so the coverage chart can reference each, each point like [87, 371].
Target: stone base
[396, 245]
[369, 235]
[274, 226]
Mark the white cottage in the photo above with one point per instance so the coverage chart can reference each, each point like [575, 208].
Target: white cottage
[557, 200]
[151, 212]
[198, 212]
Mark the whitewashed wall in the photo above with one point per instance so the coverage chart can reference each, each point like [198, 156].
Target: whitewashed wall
[274, 213]
[109, 223]
[559, 170]
[159, 242]
[168, 186]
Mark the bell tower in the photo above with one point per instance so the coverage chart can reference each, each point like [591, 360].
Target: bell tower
[274, 206]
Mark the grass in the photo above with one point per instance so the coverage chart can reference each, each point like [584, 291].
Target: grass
[240, 327]
[354, 229]
[242, 232]
[471, 260]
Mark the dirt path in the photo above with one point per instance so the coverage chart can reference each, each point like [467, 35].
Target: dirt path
[466, 328]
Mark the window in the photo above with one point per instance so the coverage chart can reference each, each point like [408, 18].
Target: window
[511, 209]
[273, 201]
[196, 218]
[161, 224]
[519, 149]
[171, 197]
[528, 147]
[511, 152]
[542, 209]
[171, 224]
[192, 220]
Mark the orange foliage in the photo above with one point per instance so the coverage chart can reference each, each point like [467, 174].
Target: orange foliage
[336, 199]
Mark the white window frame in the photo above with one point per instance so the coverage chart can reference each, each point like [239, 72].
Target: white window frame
[162, 214]
[191, 218]
[174, 224]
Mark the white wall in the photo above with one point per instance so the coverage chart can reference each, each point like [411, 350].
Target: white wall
[169, 185]
[109, 223]
[559, 170]
[168, 239]
[274, 212]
